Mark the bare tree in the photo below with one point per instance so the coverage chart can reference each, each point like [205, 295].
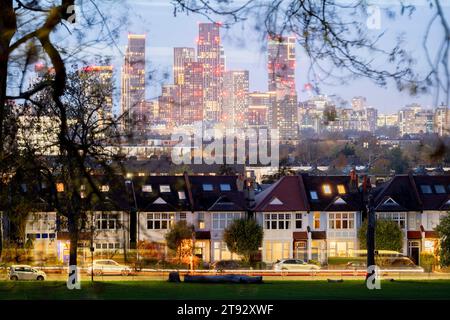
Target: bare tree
[336, 38]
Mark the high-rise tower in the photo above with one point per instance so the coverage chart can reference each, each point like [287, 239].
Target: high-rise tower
[210, 54]
[133, 86]
[281, 76]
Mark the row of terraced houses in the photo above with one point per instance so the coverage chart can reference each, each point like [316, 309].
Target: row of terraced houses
[305, 217]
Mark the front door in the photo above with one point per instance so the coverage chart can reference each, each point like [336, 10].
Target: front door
[300, 250]
[414, 251]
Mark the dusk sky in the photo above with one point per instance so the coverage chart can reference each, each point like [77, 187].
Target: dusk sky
[243, 50]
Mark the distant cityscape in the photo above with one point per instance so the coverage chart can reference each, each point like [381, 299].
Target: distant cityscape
[205, 94]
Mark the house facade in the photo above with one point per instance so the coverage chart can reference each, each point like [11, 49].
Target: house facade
[309, 218]
[303, 217]
[417, 203]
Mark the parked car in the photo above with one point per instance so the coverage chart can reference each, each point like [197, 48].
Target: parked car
[228, 265]
[294, 264]
[402, 263]
[356, 265]
[24, 272]
[108, 267]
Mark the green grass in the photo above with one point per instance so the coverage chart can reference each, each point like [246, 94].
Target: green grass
[272, 290]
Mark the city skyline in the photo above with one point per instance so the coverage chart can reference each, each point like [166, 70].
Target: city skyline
[250, 54]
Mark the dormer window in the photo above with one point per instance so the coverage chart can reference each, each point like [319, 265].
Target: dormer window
[164, 188]
[147, 188]
[207, 187]
[341, 189]
[439, 188]
[225, 187]
[426, 189]
[104, 188]
[181, 195]
[326, 189]
[314, 195]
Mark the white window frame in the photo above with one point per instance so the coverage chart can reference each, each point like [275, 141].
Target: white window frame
[108, 217]
[277, 221]
[160, 219]
[221, 220]
[337, 220]
[398, 217]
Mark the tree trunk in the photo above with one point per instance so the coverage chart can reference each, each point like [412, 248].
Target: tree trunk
[73, 234]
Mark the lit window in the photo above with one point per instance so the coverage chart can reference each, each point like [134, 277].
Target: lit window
[105, 188]
[207, 187]
[313, 195]
[439, 188]
[147, 188]
[341, 189]
[316, 220]
[164, 188]
[225, 187]
[425, 188]
[201, 220]
[326, 189]
[181, 195]
[60, 187]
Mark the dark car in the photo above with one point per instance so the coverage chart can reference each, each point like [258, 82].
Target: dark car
[227, 265]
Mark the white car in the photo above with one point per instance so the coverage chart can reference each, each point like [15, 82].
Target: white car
[294, 264]
[24, 272]
[108, 267]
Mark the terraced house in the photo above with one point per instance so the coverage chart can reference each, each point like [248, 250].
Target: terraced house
[304, 217]
[309, 217]
[417, 204]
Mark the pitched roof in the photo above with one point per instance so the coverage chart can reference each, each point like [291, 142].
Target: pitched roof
[332, 200]
[414, 193]
[217, 193]
[161, 193]
[287, 194]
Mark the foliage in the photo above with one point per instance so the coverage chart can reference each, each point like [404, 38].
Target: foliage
[388, 235]
[243, 237]
[443, 230]
[178, 239]
[427, 261]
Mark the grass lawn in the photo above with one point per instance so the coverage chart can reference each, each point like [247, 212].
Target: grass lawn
[271, 290]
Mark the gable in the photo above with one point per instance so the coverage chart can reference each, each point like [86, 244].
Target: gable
[275, 201]
[159, 201]
[339, 200]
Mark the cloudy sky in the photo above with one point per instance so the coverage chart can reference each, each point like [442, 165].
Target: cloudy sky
[243, 50]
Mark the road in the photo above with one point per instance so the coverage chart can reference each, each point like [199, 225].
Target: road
[267, 275]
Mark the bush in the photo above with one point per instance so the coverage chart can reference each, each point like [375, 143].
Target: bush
[388, 235]
[243, 237]
[427, 261]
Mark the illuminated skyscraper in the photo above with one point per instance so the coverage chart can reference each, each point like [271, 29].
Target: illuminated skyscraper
[259, 104]
[235, 98]
[133, 86]
[103, 74]
[168, 103]
[191, 110]
[180, 57]
[281, 71]
[210, 54]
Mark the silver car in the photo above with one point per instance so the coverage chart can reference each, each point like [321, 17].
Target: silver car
[294, 264]
[24, 272]
[108, 267]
